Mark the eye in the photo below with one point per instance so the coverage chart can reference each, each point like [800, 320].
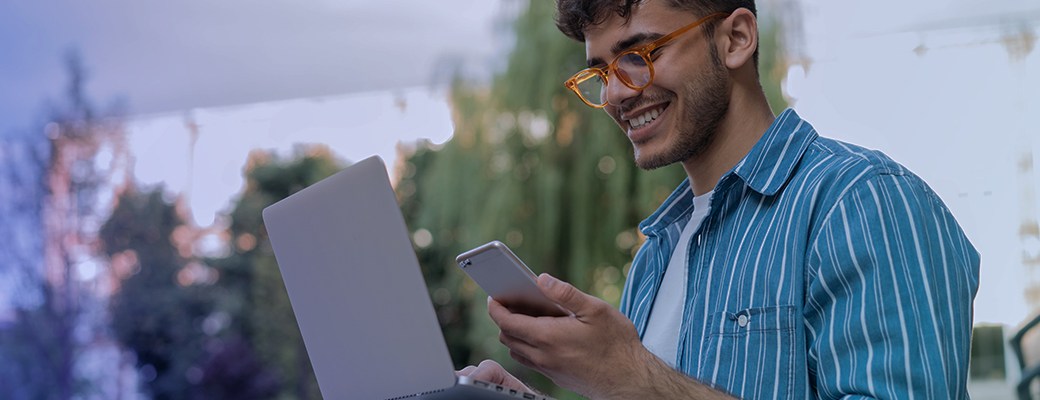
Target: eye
[631, 59]
[656, 52]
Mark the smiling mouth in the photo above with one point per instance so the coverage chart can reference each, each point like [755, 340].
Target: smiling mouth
[646, 118]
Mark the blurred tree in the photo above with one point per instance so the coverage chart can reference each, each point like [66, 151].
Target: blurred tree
[235, 372]
[27, 331]
[154, 314]
[57, 324]
[252, 289]
[218, 328]
[32, 361]
[532, 166]
[231, 337]
[166, 309]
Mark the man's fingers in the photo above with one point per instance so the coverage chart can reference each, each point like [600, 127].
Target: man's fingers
[563, 293]
[512, 341]
[517, 347]
[466, 371]
[519, 326]
[490, 371]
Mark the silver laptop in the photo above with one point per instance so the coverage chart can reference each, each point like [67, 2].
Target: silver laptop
[358, 293]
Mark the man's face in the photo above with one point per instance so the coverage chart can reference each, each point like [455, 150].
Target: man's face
[676, 117]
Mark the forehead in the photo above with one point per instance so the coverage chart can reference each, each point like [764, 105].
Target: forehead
[646, 18]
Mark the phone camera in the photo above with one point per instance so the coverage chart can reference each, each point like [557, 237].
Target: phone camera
[465, 263]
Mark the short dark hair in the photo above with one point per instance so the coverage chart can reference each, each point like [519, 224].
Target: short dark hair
[573, 17]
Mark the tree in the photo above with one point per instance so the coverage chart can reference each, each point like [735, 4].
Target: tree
[537, 169]
[23, 372]
[213, 328]
[30, 361]
[252, 291]
[54, 324]
[170, 318]
[152, 314]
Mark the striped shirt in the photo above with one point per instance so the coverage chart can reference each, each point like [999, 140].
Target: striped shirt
[823, 270]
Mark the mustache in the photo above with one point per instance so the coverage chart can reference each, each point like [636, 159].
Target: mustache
[640, 101]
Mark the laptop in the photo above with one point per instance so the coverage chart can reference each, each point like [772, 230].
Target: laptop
[359, 296]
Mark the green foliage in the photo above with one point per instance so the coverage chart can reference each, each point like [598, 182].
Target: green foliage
[160, 315]
[233, 337]
[151, 313]
[532, 166]
[772, 65]
[987, 352]
[252, 290]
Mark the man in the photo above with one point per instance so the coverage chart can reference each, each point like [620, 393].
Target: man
[787, 266]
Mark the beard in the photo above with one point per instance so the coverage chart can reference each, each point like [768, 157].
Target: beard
[705, 101]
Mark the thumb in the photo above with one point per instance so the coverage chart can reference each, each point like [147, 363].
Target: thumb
[563, 293]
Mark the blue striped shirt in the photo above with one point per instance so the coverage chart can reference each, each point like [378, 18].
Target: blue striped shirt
[823, 270]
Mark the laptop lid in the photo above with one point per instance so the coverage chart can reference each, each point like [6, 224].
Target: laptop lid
[356, 288]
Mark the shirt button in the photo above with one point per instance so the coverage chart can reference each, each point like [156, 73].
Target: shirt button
[742, 320]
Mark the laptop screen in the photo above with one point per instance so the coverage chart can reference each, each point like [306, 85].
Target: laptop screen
[356, 288]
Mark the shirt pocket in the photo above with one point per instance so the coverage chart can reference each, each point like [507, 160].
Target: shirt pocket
[751, 352]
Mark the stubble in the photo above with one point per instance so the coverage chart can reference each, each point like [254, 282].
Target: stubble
[705, 102]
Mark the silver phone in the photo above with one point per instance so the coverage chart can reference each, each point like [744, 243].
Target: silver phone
[507, 280]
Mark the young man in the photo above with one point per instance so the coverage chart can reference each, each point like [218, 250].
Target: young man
[787, 266]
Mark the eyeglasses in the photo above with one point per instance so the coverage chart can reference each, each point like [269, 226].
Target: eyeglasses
[634, 68]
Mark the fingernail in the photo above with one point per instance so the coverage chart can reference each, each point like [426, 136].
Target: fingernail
[549, 280]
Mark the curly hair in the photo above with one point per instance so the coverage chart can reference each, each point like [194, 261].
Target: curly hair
[573, 17]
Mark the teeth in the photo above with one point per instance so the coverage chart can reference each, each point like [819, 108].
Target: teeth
[645, 118]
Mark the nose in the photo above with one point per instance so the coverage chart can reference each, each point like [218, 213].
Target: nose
[617, 92]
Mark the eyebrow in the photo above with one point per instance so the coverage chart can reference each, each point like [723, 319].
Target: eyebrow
[625, 44]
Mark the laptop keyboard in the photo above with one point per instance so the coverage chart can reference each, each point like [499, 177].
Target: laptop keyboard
[512, 392]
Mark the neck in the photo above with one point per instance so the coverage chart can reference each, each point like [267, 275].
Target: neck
[745, 122]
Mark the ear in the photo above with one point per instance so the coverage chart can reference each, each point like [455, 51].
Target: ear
[737, 38]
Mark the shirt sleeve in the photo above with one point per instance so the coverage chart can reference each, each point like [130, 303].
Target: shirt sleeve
[891, 280]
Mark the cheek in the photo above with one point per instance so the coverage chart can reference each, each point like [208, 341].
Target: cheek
[612, 112]
[674, 75]
[666, 84]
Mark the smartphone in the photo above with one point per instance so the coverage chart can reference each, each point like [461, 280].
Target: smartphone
[507, 280]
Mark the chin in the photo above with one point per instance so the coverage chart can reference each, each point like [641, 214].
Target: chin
[648, 159]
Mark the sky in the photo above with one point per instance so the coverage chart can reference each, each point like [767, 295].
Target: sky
[947, 87]
[354, 126]
[176, 55]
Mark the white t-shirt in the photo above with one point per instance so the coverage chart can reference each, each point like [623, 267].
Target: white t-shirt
[662, 330]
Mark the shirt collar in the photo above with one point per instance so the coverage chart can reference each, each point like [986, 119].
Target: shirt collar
[769, 164]
[679, 203]
[764, 169]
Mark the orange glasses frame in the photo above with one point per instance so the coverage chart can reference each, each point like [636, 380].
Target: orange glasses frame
[643, 52]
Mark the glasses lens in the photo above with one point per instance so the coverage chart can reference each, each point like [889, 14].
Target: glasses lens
[634, 70]
[590, 86]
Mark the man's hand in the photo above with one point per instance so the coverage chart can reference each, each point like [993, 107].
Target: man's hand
[490, 371]
[596, 352]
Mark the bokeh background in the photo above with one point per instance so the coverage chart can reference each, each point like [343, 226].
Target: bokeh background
[139, 142]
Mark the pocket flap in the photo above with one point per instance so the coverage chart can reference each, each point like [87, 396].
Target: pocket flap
[755, 319]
